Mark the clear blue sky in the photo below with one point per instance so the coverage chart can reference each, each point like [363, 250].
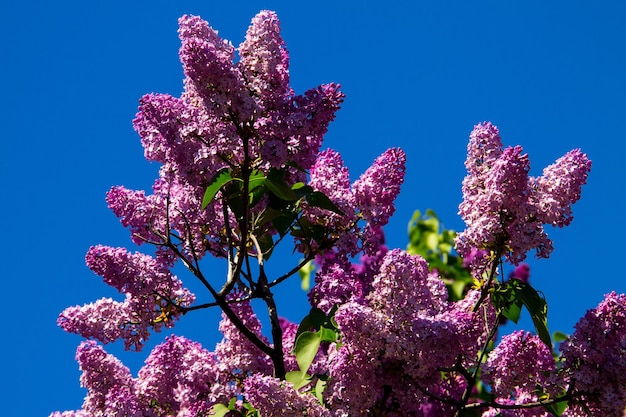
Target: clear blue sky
[417, 74]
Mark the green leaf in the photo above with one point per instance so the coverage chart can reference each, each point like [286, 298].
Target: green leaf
[458, 288]
[298, 379]
[320, 386]
[256, 179]
[314, 320]
[220, 410]
[282, 223]
[430, 224]
[256, 187]
[327, 335]
[221, 178]
[559, 337]
[319, 199]
[283, 192]
[266, 242]
[512, 312]
[276, 184]
[267, 216]
[317, 232]
[432, 240]
[305, 275]
[234, 195]
[538, 309]
[557, 409]
[306, 347]
[301, 189]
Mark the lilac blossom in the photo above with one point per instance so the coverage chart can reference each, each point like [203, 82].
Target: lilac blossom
[406, 316]
[559, 187]
[330, 176]
[371, 260]
[153, 298]
[376, 190]
[335, 284]
[594, 359]
[103, 376]
[404, 349]
[275, 398]
[264, 61]
[519, 363]
[105, 320]
[521, 273]
[503, 208]
[180, 373]
[208, 64]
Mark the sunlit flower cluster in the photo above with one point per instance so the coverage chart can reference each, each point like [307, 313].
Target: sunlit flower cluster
[505, 209]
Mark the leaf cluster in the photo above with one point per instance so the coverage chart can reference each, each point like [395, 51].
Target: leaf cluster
[282, 213]
[435, 244]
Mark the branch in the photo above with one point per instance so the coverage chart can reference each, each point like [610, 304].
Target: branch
[265, 293]
[294, 270]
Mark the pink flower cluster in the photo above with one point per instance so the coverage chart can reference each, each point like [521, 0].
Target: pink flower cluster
[179, 378]
[505, 209]
[398, 338]
[519, 363]
[595, 359]
[232, 113]
[153, 298]
[371, 198]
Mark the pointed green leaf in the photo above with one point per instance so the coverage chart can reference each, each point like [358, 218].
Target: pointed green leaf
[538, 309]
[306, 347]
[432, 240]
[266, 242]
[512, 312]
[320, 386]
[301, 189]
[328, 335]
[314, 320]
[557, 409]
[319, 199]
[256, 187]
[280, 191]
[221, 178]
[256, 179]
[293, 377]
[458, 288]
[276, 184]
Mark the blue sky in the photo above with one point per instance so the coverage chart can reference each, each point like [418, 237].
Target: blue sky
[417, 74]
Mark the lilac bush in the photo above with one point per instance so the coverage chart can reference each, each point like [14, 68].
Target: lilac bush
[389, 333]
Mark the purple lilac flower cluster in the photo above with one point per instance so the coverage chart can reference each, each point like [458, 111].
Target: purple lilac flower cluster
[336, 280]
[370, 198]
[505, 209]
[232, 113]
[153, 298]
[533, 362]
[403, 347]
[179, 378]
[595, 359]
[397, 338]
